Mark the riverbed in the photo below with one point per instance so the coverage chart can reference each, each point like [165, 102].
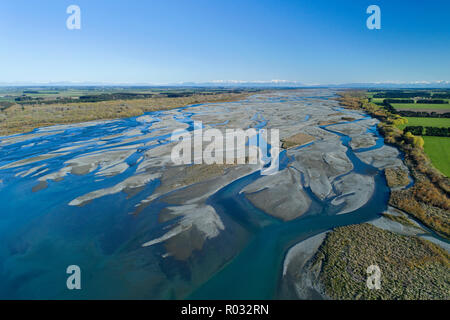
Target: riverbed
[105, 196]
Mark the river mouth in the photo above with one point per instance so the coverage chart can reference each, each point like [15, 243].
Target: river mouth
[41, 233]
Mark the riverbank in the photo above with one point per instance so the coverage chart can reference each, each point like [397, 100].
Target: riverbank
[428, 200]
[411, 266]
[168, 231]
[25, 118]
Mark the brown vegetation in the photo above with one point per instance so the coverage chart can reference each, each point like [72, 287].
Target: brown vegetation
[400, 219]
[396, 177]
[411, 268]
[19, 119]
[296, 140]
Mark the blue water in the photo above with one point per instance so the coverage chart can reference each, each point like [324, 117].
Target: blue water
[40, 235]
[255, 273]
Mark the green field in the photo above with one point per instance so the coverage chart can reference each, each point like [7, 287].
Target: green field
[400, 106]
[426, 122]
[378, 100]
[438, 149]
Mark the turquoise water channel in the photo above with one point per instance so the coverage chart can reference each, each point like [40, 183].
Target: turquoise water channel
[40, 234]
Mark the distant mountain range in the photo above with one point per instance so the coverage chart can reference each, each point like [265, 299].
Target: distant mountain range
[242, 83]
[285, 83]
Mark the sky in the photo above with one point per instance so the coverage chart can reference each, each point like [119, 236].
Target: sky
[174, 41]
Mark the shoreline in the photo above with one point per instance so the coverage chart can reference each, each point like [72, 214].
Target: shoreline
[314, 273]
[414, 200]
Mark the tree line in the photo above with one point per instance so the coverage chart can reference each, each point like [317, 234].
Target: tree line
[442, 95]
[429, 101]
[428, 131]
[409, 113]
[400, 94]
[432, 101]
[398, 101]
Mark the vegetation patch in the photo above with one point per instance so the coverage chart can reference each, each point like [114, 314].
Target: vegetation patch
[396, 177]
[23, 117]
[400, 219]
[411, 268]
[327, 122]
[296, 140]
[425, 202]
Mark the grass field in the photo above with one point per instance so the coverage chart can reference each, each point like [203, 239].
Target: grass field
[426, 122]
[438, 149]
[378, 100]
[421, 106]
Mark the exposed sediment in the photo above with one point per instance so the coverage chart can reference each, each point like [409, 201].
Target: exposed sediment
[125, 156]
[384, 157]
[280, 195]
[300, 279]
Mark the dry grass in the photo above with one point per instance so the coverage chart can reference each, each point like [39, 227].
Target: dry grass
[19, 119]
[396, 177]
[296, 140]
[400, 219]
[411, 268]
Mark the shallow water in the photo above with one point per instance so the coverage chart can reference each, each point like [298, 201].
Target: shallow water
[40, 235]
[255, 273]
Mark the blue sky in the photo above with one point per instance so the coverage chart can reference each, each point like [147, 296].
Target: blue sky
[171, 41]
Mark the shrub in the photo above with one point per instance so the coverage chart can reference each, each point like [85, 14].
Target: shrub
[415, 130]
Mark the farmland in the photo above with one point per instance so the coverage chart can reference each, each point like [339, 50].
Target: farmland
[438, 149]
[426, 122]
[421, 106]
[421, 109]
